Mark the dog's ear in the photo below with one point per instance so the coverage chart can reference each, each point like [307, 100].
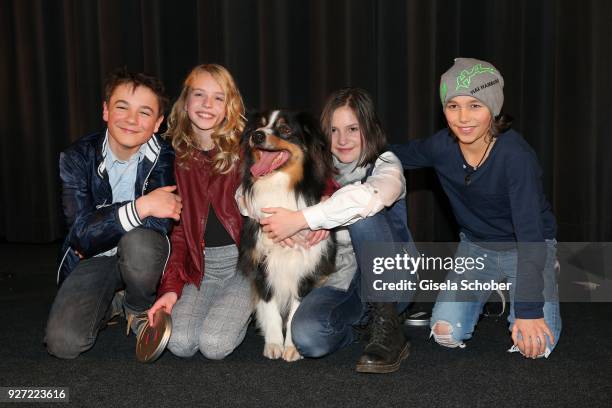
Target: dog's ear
[312, 129]
[252, 120]
[318, 144]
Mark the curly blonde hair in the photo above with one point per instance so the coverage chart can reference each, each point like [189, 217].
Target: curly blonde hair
[225, 136]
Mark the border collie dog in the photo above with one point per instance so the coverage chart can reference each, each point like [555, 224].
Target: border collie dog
[288, 163]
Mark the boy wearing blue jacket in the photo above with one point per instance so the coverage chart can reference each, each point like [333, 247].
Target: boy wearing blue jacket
[119, 205]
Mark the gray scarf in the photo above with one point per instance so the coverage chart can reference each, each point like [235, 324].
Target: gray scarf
[349, 173]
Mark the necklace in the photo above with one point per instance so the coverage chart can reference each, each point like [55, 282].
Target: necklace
[468, 177]
[207, 146]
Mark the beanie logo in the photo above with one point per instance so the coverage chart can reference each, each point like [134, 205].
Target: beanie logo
[465, 77]
[443, 91]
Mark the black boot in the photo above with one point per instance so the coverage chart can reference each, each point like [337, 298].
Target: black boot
[387, 346]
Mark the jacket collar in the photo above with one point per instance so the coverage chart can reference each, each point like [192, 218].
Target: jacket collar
[151, 151]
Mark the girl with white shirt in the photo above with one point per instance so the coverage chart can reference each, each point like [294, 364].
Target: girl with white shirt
[370, 207]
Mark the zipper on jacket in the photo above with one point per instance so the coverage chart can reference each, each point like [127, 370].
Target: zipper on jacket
[203, 223]
[146, 180]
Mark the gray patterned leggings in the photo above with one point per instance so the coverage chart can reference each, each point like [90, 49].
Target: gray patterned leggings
[213, 319]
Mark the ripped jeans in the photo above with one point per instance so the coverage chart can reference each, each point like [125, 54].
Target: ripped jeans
[499, 266]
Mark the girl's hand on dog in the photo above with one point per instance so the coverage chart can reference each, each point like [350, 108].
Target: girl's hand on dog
[283, 223]
[305, 238]
[316, 236]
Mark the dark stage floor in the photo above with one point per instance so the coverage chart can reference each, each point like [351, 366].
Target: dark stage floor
[578, 373]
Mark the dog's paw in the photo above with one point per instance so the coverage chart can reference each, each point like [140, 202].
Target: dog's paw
[273, 351]
[291, 354]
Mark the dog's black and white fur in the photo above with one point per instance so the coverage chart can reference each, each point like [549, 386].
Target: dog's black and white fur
[287, 164]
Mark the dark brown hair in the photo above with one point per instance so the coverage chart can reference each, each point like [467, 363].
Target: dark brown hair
[500, 124]
[122, 76]
[374, 141]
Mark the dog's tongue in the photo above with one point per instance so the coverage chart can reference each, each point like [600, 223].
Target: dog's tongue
[268, 162]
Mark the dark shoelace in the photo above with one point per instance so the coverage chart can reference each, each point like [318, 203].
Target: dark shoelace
[380, 329]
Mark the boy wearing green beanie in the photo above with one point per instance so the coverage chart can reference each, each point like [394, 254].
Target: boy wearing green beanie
[493, 181]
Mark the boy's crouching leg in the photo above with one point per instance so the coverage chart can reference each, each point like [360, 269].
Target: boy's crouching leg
[65, 341]
[142, 257]
[442, 332]
[453, 322]
[80, 307]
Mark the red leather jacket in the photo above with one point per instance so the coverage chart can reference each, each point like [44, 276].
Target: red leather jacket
[199, 187]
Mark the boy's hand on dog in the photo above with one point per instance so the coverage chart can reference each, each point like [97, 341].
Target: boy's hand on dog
[160, 203]
[166, 302]
[283, 223]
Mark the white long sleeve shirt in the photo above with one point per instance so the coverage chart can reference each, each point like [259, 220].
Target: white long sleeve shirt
[353, 202]
[358, 200]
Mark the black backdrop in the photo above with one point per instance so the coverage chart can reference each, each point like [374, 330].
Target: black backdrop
[556, 57]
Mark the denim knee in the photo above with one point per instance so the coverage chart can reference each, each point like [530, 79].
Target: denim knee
[453, 315]
[373, 228]
[65, 343]
[142, 254]
[453, 339]
[311, 337]
[142, 248]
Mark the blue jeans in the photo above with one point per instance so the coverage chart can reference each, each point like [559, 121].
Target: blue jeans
[323, 322]
[83, 300]
[462, 316]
